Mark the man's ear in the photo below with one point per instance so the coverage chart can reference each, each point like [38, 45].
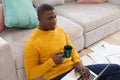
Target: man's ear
[39, 17]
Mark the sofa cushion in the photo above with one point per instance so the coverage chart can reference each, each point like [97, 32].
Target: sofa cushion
[69, 0]
[37, 3]
[116, 2]
[90, 1]
[74, 30]
[16, 37]
[20, 13]
[2, 24]
[89, 16]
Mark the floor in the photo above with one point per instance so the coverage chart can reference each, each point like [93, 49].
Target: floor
[112, 39]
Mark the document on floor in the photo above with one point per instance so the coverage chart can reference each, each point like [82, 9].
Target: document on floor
[86, 60]
[105, 53]
[100, 59]
[114, 58]
[106, 48]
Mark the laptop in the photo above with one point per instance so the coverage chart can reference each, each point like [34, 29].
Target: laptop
[76, 76]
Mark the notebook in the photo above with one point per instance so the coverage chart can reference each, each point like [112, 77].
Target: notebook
[76, 76]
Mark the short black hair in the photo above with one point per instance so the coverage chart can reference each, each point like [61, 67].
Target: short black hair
[44, 7]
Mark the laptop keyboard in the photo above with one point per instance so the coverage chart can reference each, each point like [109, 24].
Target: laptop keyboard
[92, 77]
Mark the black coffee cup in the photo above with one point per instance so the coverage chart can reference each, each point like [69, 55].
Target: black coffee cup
[67, 50]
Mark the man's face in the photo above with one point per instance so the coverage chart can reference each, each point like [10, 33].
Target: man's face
[47, 20]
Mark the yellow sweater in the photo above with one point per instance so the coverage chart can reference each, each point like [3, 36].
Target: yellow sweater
[39, 49]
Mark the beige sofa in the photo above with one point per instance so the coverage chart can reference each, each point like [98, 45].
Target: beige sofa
[85, 24]
[97, 20]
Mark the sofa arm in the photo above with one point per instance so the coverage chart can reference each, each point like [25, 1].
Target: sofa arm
[116, 2]
[7, 66]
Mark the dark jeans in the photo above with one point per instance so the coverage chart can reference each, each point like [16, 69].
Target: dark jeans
[111, 73]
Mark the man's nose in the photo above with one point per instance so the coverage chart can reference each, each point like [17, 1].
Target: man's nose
[53, 20]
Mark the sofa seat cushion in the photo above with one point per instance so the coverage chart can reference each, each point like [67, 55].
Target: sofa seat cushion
[89, 16]
[69, 0]
[16, 38]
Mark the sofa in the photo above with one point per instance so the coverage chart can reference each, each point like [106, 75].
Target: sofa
[97, 20]
[84, 23]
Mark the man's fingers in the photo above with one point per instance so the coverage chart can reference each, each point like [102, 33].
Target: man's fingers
[86, 74]
[81, 71]
[57, 58]
[61, 54]
[62, 59]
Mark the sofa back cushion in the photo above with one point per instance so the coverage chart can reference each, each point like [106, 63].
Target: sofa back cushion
[69, 0]
[20, 13]
[90, 1]
[2, 24]
[37, 3]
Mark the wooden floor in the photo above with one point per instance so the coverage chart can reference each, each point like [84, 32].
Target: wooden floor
[112, 39]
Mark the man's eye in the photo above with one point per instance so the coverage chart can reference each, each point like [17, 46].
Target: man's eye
[49, 19]
[54, 16]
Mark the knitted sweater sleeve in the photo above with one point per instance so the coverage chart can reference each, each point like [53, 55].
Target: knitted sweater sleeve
[31, 60]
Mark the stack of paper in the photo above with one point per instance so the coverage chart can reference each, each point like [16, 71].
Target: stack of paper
[86, 60]
[106, 53]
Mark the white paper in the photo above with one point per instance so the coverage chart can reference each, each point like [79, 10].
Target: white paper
[106, 53]
[114, 58]
[106, 49]
[86, 60]
[98, 58]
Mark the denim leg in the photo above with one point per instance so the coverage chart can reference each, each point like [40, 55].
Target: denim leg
[111, 73]
[114, 72]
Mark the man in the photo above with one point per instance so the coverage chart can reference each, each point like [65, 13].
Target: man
[43, 52]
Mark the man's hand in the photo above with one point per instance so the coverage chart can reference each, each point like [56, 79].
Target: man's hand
[58, 57]
[84, 72]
